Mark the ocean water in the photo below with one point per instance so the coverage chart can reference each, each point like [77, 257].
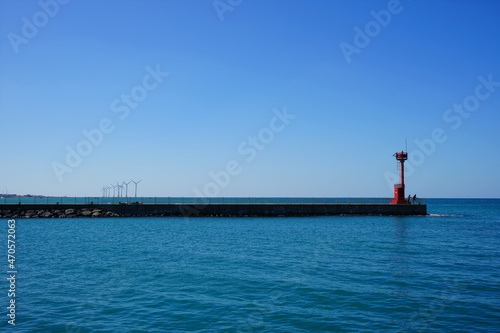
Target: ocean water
[436, 273]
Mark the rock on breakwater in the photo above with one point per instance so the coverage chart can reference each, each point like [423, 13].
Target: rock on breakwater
[56, 213]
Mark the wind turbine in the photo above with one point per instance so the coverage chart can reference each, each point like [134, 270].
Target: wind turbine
[119, 192]
[126, 187]
[114, 188]
[104, 191]
[136, 186]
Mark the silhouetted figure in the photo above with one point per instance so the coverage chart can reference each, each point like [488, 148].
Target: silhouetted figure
[409, 199]
[414, 198]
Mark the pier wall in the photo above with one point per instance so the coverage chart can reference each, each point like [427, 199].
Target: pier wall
[188, 210]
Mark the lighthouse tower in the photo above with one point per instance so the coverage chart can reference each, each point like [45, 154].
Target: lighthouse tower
[399, 189]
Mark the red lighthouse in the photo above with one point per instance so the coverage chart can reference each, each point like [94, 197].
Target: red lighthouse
[399, 189]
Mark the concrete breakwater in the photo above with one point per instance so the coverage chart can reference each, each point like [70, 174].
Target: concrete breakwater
[188, 210]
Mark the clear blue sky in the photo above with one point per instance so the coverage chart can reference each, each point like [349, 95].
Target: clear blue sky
[68, 66]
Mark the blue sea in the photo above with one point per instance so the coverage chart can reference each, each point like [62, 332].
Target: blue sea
[436, 273]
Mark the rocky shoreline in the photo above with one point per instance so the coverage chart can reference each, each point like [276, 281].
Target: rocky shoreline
[57, 213]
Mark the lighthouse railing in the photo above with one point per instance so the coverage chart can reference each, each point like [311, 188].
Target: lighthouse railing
[39, 200]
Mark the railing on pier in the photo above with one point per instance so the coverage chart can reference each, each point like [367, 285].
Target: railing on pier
[195, 200]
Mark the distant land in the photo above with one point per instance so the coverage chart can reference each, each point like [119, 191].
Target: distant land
[23, 195]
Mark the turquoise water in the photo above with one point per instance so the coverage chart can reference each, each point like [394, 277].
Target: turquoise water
[438, 273]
